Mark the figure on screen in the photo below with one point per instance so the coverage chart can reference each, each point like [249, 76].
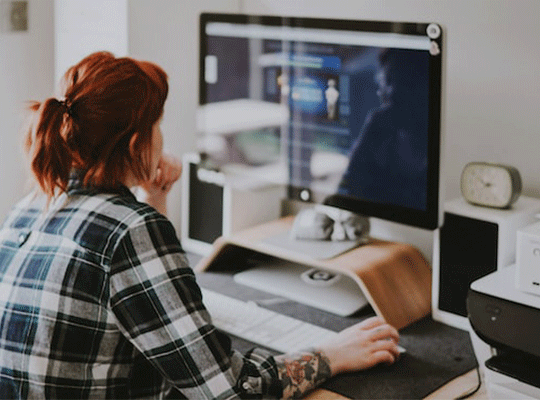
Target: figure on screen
[332, 95]
[283, 83]
[388, 161]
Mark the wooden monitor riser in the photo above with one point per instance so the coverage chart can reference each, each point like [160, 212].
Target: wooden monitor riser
[394, 277]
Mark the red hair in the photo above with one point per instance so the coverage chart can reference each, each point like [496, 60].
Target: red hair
[107, 100]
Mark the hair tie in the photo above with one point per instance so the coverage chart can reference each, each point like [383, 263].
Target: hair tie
[67, 106]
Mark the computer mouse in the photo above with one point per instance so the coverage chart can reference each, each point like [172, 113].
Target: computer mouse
[355, 226]
[312, 225]
[347, 225]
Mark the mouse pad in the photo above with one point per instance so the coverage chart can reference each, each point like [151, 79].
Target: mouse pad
[436, 353]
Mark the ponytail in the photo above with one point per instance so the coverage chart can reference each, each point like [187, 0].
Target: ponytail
[50, 156]
[109, 101]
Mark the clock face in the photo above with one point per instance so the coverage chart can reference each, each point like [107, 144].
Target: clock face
[491, 185]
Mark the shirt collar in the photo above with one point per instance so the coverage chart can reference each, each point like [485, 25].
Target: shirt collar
[76, 187]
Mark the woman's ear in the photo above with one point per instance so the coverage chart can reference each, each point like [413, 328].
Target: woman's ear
[139, 156]
[132, 148]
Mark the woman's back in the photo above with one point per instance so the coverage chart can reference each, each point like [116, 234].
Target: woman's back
[61, 338]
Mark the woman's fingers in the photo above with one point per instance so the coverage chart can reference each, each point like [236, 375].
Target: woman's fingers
[385, 332]
[168, 172]
[372, 322]
[384, 356]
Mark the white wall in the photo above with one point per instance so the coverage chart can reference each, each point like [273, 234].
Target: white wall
[26, 73]
[167, 33]
[82, 27]
[163, 31]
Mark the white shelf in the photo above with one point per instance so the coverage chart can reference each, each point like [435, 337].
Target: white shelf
[233, 116]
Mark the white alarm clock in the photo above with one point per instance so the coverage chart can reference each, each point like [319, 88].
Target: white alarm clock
[491, 185]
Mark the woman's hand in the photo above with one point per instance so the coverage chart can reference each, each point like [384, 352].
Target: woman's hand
[168, 172]
[362, 346]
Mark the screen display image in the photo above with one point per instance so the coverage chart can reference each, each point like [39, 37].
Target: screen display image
[346, 113]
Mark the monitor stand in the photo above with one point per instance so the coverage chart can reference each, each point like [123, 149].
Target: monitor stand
[317, 249]
[394, 277]
[321, 233]
[322, 289]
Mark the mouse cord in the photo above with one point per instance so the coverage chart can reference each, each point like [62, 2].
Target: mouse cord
[472, 391]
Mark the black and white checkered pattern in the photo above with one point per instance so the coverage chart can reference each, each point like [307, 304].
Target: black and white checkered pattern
[97, 301]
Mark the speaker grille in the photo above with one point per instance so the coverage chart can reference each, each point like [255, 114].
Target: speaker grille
[468, 251]
[205, 208]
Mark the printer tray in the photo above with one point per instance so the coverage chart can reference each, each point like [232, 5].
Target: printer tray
[517, 365]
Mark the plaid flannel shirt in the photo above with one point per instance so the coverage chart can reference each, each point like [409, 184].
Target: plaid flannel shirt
[97, 301]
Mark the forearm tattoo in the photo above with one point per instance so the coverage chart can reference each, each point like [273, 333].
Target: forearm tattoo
[302, 372]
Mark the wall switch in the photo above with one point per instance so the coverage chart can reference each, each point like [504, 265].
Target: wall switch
[13, 16]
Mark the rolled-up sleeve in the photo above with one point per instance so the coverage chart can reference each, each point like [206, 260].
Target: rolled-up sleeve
[158, 305]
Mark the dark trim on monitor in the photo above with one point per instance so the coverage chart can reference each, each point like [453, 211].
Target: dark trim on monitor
[409, 28]
[428, 219]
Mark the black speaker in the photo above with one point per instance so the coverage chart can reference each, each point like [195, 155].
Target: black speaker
[473, 242]
[205, 200]
[214, 204]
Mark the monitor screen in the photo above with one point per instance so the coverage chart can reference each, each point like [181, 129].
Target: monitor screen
[345, 113]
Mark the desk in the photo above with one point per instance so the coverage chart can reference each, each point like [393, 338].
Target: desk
[451, 390]
[435, 353]
[394, 278]
[459, 386]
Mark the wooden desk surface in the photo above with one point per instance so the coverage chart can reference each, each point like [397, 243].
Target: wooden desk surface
[459, 386]
[451, 390]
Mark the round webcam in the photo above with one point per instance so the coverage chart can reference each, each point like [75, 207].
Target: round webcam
[433, 31]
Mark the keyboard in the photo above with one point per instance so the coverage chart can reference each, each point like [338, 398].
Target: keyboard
[248, 321]
[259, 325]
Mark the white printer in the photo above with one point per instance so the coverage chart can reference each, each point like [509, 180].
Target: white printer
[508, 320]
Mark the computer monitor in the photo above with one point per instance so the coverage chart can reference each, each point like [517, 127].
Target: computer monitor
[346, 113]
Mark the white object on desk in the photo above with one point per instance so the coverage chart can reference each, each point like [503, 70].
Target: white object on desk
[259, 325]
[499, 313]
[264, 327]
[326, 290]
[528, 259]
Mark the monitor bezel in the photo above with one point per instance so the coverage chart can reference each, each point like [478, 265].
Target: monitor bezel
[431, 218]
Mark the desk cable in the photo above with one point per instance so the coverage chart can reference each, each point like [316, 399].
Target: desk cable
[474, 390]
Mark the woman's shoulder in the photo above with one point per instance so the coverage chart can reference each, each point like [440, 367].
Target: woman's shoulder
[90, 217]
[103, 220]
[127, 210]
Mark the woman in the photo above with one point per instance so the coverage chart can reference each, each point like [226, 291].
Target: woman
[96, 297]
